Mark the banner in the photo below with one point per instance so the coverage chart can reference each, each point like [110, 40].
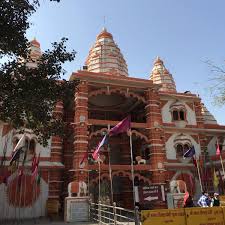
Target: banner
[163, 216]
[204, 216]
[187, 216]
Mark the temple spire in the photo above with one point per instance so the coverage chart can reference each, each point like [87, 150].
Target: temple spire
[161, 75]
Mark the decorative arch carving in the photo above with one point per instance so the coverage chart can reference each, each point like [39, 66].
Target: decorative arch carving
[140, 135]
[98, 132]
[117, 91]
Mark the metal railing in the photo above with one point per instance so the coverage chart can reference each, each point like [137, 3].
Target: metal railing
[111, 214]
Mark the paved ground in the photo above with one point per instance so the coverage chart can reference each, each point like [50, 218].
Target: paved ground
[43, 222]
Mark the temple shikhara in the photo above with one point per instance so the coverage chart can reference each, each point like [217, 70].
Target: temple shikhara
[165, 124]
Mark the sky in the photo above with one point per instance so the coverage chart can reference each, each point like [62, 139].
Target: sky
[185, 34]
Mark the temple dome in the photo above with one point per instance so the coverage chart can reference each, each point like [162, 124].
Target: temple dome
[105, 56]
[160, 75]
[207, 116]
[34, 54]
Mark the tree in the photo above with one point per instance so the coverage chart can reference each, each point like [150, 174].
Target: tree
[28, 94]
[218, 83]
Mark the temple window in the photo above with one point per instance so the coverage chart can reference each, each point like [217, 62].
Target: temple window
[181, 113]
[175, 115]
[178, 115]
[181, 149]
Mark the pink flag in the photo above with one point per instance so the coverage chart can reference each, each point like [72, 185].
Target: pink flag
[122, 126]
[95, 154]
[186, 195]
[218, 149]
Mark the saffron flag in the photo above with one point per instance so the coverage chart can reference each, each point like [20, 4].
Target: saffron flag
[190, 152]
[104, 141]
[215, 179]
[122, 126]
[218, 149]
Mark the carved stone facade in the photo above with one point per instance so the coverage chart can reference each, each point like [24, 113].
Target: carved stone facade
[164, 124]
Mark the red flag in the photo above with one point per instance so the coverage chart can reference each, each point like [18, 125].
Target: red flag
[20, 177]
[35, 172]
[218, 149]
[33, 163]
[85, 156]
[194, 161]
[122, 126]
[186, 195]
[34, 175]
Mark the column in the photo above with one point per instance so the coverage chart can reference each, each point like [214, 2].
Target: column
[55, 173]
[80, 131]
[155, 135]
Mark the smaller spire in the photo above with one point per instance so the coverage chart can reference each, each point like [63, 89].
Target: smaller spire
[161, 75]
[207, 116]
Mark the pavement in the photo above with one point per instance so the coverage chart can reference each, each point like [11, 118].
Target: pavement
[43, 222]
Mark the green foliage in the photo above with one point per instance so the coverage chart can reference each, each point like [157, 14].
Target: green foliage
[28, 95]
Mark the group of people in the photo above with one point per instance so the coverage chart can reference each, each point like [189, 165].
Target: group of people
[204, 201]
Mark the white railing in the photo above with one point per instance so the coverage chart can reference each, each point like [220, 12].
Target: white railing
[111, 214]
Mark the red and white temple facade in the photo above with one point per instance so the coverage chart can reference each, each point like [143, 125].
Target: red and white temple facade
[164, 124]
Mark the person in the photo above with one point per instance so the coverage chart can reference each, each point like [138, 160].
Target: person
[215, 200]
[204, 200]
[189, 202]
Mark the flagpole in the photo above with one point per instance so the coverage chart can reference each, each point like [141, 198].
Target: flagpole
[221, 161]
[99, 180]
[110, 168]
[132, 166]
[110, 174]
[199, 177]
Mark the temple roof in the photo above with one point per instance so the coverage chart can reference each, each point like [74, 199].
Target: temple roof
[35, 53]
[105, 56]
[207, 116]
[160, 75]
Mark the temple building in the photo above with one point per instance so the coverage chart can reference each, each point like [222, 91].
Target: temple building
[165, 124]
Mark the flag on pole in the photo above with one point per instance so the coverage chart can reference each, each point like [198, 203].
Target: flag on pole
[104, 141]
[15, 155]
[218, 149]
[33, 162]
[215, 179]
[34, 175]
[20, 144]
[190, 152]
[85, 156]
[35, 171]
[186, 196]
[122, 126]
[20, 177]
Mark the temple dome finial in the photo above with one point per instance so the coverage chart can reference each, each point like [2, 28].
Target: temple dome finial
[161, 75]
[105, 56]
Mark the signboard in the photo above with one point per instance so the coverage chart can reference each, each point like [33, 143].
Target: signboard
[152, 193]
[163, 217]
[204, 216]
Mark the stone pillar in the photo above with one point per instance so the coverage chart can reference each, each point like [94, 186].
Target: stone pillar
[80, 131]
[55, 174]
[155, 136]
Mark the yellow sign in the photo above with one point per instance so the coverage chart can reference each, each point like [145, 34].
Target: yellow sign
[204, 216]
[163, 216]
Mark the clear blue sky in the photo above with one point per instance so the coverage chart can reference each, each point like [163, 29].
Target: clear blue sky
[183, 33]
